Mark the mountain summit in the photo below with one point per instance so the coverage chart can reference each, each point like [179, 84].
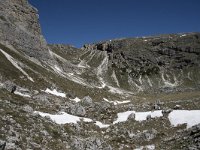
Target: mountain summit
[131, 93]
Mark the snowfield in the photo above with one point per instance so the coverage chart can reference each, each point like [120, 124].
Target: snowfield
[139, 116]
[190, 117]
[176, 117]
[64, 118]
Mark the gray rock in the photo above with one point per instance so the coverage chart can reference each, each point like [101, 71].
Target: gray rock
[91, 143]
[77, 109]
[87, 100]
[148, 117]
[177, 107]
[165, 112]
[156, 107]
[131, 116]
[28, 109]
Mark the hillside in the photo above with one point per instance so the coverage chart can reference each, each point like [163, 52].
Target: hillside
[131, 93]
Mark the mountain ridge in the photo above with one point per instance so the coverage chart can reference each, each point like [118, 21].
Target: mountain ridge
[116, 94]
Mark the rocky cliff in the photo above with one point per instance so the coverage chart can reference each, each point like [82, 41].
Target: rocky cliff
[153, 63]
[21, 30]
[135, 93]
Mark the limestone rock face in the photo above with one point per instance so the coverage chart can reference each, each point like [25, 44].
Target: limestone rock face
[21, 29]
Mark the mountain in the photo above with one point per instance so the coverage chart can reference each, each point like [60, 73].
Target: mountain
[131, 93]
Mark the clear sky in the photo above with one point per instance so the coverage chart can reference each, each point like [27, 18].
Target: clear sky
[78, 22]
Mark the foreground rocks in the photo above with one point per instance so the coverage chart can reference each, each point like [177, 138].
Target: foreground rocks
[96, 82]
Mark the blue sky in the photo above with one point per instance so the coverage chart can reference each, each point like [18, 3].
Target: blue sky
[78, 22]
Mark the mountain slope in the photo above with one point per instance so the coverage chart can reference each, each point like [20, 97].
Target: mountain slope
[117, 94]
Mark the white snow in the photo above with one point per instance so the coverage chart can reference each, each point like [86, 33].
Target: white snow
[139, 116]
[122, 117]
[76, 99]
[190, 117]
[71, 76]
[133, 83]
[168, 83]
[64, 118]
[101, 125]
[147, 147]
[58, 70]
[176, 117]
[101, 69]
[140, 79]
[116, 102]
[55, 92]
[68, 75]
[115, 78]
[83, 64]
[118, 90]
[21, 94]
[149, 81]
[190, 76]
[77, 79]
[1, 84]
[183, 35]
[15, 64]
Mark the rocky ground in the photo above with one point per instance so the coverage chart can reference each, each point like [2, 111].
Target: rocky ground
[23, 128]
[136, 93]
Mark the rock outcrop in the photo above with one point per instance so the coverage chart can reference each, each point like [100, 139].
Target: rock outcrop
[20, 29]
[159, 61]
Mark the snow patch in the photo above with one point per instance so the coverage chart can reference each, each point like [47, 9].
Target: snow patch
[189, 76]
[168, 83]
[147, 147]
[118, 90]
[101, 69]
[64, 118]
[190, 117]
[139, 116]
[1, 84]
[149, 81]
[77, 79]
[83, 64]
[115, 78]
[116, 102]
[76, 99]
[183, 35]
[133, 83]
[176, 117]
[15, 64]
[58, 70]
[55, 92]
[101, 125]
[22, 94]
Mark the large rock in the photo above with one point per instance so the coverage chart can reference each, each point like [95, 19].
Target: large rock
[91, 143]
[77, 110]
